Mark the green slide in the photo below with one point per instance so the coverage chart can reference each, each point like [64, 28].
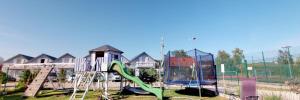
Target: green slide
[120, 68]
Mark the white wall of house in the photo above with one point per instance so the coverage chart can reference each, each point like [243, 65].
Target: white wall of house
[65, 59]
[143, 61]
[42, 60]
[14, 73]
[17, 60]
[124, 59]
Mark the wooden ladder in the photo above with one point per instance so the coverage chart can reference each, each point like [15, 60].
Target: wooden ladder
[38, 82]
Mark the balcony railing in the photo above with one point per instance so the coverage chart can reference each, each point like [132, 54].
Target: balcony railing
[144, 64]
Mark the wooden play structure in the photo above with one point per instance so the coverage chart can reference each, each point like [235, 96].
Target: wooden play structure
[38, 81]
[42, 76]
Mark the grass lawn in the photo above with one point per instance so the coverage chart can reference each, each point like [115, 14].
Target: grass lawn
[92, 95]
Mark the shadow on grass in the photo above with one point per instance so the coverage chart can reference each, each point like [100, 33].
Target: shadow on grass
[12, 97]
[49, 93]
[126, 94]
[195, 92]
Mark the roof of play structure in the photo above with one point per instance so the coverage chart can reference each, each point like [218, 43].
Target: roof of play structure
[107, 48]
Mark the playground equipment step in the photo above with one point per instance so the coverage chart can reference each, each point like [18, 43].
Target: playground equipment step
[38, 81]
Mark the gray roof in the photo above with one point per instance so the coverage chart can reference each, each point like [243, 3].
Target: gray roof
[25, 56]
[51, 57]
[66, 54]
[107, 48]
[143, 53]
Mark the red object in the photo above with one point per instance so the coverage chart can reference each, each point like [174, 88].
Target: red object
[181, 61]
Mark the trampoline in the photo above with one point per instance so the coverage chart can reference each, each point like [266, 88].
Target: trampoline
[190, 68]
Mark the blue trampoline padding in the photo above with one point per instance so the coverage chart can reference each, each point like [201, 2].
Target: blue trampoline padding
[187, 82]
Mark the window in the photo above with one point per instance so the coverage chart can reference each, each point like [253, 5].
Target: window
[66, 60]
[63, 60]
[99, 54]
[42, 61]
[116, 57]
[146, 59]
[19, 61]
[140, 59]
[70, 60]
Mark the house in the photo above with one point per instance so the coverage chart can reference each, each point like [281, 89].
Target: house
[15, 72]
[125, 60]
[66, 58]
[18, 59]
[143, 60]
[20, 62]
[43, 58]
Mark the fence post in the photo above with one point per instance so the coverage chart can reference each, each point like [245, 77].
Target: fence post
[246, 68]
[265, 64]
[253, 67]
[290, 70]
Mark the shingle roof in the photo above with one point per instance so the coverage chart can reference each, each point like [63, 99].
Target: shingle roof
[143, 53]
[107, 48]
[66, 54]
[51, 57]
[25, 56]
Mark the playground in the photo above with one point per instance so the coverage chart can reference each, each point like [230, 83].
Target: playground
[191, 74]
[91, 79]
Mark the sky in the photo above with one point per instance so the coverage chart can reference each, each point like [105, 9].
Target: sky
[55, 27]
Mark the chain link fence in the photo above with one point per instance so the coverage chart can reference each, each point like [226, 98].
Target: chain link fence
[270, 67]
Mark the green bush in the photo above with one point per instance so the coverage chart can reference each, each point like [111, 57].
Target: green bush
[3, 78]
[62, 75]
[27, 77]
[148, 75]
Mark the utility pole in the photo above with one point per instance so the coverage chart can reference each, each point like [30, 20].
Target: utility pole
[288, 58]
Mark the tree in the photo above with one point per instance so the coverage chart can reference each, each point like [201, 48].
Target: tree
[223, 58]
[238, 56]
[148, 75]
[27, 77]
[3, 78]
[62, 75]
[284, 57]
[180, 53]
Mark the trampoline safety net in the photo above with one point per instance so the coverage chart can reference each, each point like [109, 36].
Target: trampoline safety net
[189, 67]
